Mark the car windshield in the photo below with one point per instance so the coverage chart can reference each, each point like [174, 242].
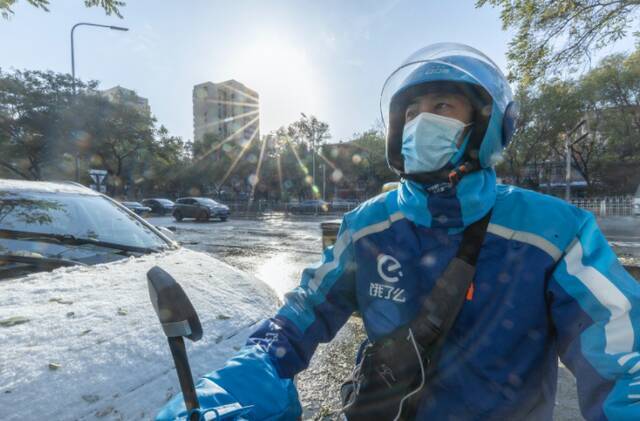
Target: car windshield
[82, 216]
[164, 201]
[207, 201]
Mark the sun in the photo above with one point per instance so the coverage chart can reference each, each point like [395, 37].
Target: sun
[282, 74]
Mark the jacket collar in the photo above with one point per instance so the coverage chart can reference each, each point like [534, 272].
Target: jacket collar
[445, 206]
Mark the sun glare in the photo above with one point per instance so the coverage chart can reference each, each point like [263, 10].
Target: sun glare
[283, 76]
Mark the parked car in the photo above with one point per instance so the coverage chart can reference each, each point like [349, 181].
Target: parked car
[636, 203]
[159, 206]
[200, 208]
[46, 225]
[137, 207]
[343, 205]
[309, 206]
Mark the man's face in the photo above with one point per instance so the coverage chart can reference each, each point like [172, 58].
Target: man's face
[445, 104]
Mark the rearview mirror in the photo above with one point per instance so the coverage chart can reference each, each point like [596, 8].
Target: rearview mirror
[175, 311]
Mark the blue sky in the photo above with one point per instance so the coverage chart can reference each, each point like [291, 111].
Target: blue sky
[328, 58]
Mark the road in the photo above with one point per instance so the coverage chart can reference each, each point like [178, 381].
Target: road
[623, 232]
[277, 249]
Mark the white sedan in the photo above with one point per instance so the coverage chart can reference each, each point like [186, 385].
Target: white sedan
[82, 340]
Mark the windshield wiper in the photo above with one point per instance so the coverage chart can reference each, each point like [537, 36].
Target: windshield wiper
[69, 239]
[16, 265]
[52, 262]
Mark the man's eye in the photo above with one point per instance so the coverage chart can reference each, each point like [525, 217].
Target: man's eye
[441, 106]
[410, 115]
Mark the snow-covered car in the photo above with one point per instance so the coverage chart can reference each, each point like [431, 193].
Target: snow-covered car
[44, 225]
[84, 342]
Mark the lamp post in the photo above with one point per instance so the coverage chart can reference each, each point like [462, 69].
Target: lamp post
[73, 69]
[73, 62]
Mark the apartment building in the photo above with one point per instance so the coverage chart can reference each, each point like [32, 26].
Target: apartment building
[122, 95]
[228, 109]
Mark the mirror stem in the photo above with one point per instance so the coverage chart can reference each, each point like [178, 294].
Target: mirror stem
[179, 353]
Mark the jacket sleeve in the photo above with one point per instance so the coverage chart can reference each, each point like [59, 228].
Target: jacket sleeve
[261, 374]
[595, 307]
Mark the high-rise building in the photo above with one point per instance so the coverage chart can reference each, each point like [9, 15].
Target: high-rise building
[129, 97]
[228, 109]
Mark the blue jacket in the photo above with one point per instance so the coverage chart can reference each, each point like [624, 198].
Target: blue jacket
[547, 285]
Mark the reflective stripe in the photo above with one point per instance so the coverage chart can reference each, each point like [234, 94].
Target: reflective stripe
[343, 241]
[380, 226]
[526, 237]
[341, 244]
[625, 358]
[618, 329]
[635, 368]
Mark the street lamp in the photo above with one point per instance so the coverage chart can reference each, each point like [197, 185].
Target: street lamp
[73, 68]
[73, 62]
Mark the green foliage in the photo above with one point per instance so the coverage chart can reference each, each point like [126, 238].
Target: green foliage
[358, 168]
[110, 6]
[45, 129]
[33, 125]
[113, 136]
[554, 35]
[606, 101]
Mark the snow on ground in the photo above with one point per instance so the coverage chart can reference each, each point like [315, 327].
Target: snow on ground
[93, 347]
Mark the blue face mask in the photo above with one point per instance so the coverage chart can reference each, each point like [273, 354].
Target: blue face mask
[429, 142]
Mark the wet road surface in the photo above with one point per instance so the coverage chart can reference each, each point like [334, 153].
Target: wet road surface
[623, 233]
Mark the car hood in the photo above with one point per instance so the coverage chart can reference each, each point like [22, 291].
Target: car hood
[85, 342]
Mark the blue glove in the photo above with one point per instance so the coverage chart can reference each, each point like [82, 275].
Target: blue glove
[215, 404]
[247, 386]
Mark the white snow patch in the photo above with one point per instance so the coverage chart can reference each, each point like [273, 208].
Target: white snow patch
[98, 324]
[7, 185]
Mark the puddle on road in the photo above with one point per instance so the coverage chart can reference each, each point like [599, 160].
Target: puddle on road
[280, 272]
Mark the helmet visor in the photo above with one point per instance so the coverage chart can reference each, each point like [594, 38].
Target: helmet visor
[449, 62]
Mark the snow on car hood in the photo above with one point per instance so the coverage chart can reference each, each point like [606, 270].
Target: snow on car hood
[93, 346]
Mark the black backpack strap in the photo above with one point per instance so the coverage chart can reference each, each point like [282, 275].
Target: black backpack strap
[441, 307]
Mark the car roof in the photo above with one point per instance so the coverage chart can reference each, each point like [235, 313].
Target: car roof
[24, 186]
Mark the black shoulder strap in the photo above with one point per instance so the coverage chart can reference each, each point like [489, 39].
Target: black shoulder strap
[441, 307]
